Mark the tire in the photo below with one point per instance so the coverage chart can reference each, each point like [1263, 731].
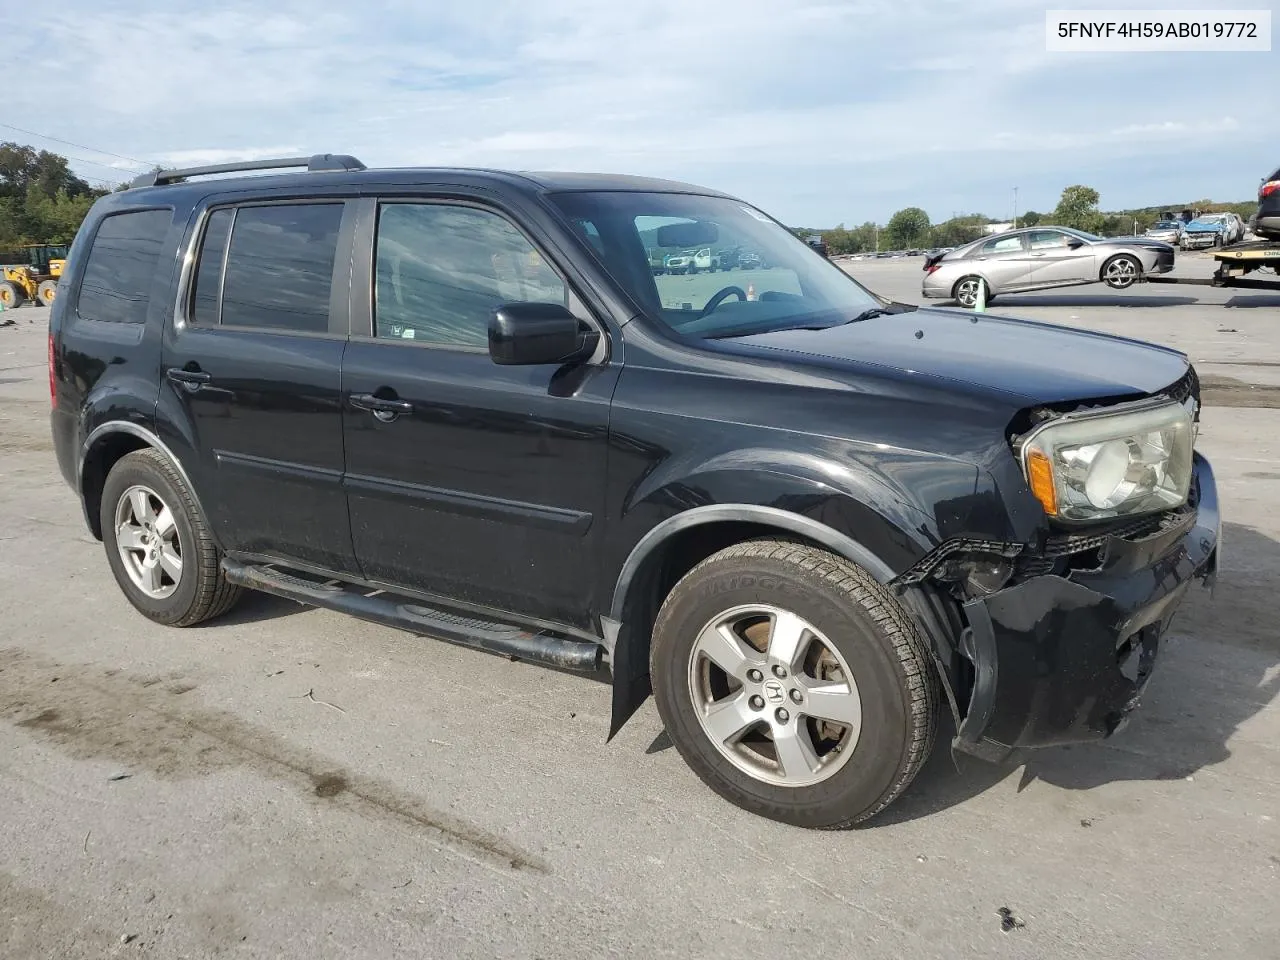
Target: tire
[1121, 272]
[965, 291]
[46, 292]
[199, 592]
[11, 296]
[842, 774]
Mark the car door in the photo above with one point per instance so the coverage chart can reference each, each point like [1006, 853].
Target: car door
[1055, 261]
[252, 369]
[476, 483]
[1002, 260]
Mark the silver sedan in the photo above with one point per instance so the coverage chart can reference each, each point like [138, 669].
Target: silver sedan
[1035, 258]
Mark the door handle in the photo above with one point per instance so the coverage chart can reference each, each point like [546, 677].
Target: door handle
[385, 410]
[189, 380]
[1037, 254]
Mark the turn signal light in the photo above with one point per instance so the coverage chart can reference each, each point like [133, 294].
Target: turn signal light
[1040, 473]
[1268, 188]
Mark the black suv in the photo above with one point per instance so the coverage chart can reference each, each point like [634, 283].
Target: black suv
[807, 519]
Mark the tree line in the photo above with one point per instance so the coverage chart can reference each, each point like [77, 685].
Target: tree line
[911, 229]
[41, 200]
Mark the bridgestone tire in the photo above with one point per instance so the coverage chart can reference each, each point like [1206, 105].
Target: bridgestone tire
[884, 650]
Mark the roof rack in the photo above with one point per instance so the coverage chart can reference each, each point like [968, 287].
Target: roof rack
[318, 163]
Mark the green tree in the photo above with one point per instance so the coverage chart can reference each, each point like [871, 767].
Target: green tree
[959, 230]
[1030, 219]
[908, 227]
[41, 200]
[1078, 207]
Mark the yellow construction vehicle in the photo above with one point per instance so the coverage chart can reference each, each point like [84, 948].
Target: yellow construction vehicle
[37, 279]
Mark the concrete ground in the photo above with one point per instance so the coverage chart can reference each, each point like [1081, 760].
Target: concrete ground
[289, 782]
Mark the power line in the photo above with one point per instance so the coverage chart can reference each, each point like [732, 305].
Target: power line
[69, 143]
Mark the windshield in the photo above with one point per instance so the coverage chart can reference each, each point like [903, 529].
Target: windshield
[1166, 225]
[711, 266]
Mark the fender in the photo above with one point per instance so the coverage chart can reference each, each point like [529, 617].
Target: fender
[629, 654]
[148, 437]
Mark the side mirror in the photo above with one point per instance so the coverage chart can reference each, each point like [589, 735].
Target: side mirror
[528, 334]
[1075, 243]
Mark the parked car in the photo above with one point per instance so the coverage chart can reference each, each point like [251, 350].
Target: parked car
[1036, 258]
[1235, 227]
[1267, 219]
[1207, 230]
[679, 263]
[1166, 231]
[805, 522]
[750, 261]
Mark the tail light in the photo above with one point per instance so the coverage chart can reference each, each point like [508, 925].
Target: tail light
[1268, 188]
[53, 380]
[931, 267]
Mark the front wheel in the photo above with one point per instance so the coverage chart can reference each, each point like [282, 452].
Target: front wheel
[46, 292]
[1122, 272]
[793, 684]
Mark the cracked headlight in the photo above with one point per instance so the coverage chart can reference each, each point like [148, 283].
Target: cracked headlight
[1105, 465]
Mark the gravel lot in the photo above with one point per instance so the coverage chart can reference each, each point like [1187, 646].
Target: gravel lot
[289, 782]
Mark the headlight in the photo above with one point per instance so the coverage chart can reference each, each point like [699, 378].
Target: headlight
[1099, 466]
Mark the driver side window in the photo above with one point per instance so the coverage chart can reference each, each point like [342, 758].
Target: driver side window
[1048, 239]
[441, 271]
[1002, 245]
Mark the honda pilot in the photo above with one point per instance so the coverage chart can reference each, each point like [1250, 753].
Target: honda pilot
[811, 522]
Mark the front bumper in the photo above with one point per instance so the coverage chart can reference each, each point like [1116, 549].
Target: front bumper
[1064, 659]
[1196, 241]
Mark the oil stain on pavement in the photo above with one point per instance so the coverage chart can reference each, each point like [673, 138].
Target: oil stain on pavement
[92, 713]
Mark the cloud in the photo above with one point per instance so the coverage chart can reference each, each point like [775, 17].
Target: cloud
[820, 111]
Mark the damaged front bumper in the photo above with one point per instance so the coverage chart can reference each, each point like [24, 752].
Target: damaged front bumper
[1064, 658]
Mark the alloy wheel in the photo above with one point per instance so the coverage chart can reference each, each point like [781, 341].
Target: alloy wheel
[774, 696]
[148, 542]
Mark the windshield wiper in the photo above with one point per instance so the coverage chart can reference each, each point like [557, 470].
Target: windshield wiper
[869, 314]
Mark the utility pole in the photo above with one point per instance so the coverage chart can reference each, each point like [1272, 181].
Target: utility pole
[877, 229]
[1015, 208]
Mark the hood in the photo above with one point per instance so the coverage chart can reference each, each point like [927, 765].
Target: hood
[1022, 360]
[1206, 226]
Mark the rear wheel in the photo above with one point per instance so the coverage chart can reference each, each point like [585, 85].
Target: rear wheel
[793, 684]
[1121, 272]
[45, 293]
[965, 292]
[10, 295]
[158, 546]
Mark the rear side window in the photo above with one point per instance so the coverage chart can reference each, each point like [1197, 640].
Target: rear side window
[278, 267]
[121, 265]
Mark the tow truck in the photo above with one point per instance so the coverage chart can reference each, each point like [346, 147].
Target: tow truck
[1235, 262]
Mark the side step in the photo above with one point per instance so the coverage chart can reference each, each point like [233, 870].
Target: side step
[405, 614]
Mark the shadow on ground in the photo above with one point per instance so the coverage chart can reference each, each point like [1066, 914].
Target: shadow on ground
[1009, 301]
[1197, 699]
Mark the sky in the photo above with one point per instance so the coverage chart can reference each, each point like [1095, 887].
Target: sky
[818, 111]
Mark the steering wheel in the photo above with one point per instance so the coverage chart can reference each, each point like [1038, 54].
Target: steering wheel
[720, 298]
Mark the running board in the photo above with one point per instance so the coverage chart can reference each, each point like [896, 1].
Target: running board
[404, 614]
